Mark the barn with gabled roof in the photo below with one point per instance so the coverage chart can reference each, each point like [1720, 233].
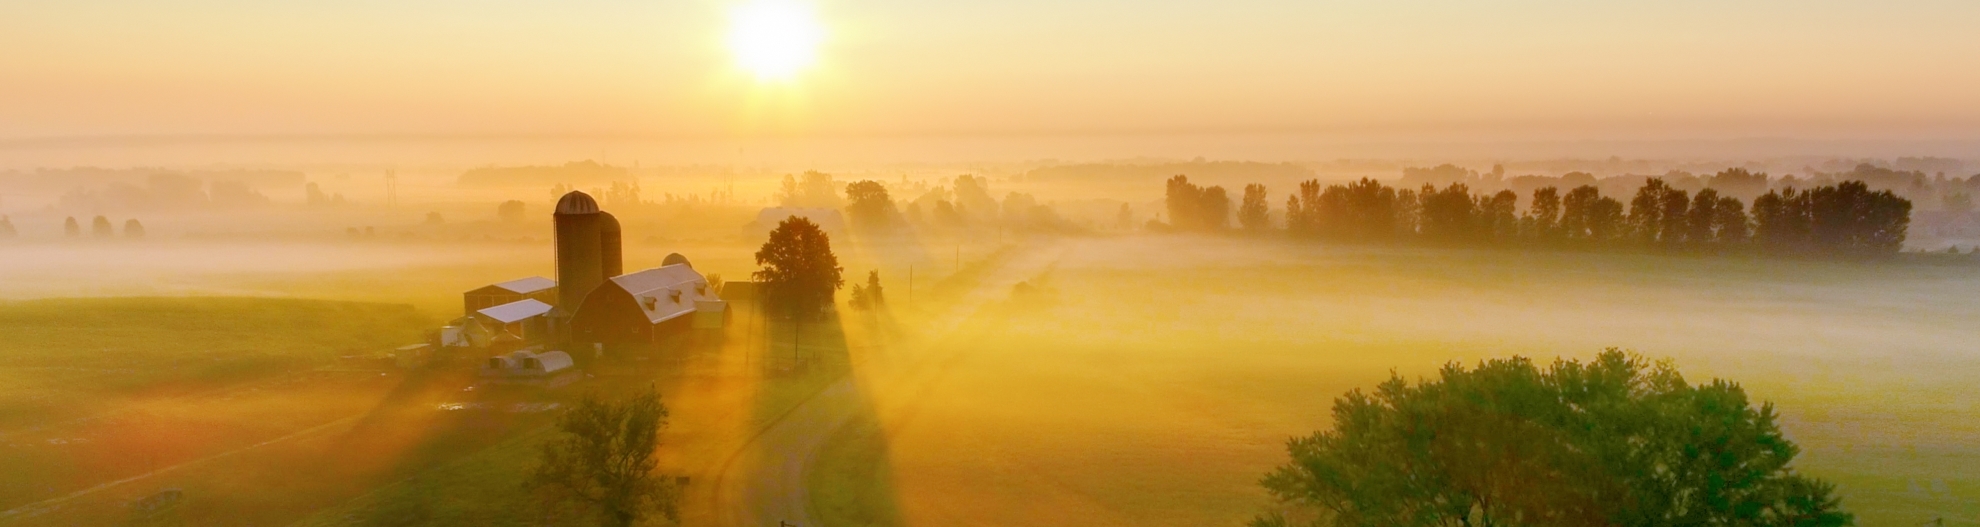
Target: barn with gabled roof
[647, 312]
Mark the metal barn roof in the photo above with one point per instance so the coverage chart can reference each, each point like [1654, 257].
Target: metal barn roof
[667, 291]
[524, 286]
[516, 311]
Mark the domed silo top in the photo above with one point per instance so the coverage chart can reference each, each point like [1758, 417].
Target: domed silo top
[577, 203]
[674, 258]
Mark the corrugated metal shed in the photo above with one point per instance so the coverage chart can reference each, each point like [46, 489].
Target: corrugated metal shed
[515, 311]
[526, 286]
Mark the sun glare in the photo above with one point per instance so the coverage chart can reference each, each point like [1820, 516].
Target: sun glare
[773, 39]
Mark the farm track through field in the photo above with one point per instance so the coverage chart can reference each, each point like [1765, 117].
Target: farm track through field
[51, 504]
[772, 490]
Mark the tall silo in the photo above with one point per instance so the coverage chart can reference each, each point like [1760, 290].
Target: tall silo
[611, 251]
[580, 249]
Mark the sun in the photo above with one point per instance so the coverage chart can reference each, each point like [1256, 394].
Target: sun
[774, 39]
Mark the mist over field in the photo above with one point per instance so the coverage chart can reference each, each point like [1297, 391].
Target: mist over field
[809, 263]
[1062, 355]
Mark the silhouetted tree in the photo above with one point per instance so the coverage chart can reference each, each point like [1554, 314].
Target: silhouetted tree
[1215, 208]
[1850, 219]
[1363, 210]
[813, 190]
[1780, 220]
[1195, 208]
[1853, 221]
[101, 228]
[1846, 219]
[1616, 441]
[133, 230]
[973, 196]
[314, 196]
[604, 461]
[1543, 215]
[1575, 210]
[1409, 213]
[1675, 217]
[869, 295]
[1702, 218]
[1449, 215]
[7, 228]
[1731, 224]
[1738, 182]
[1646, 211]
[1254, 214]
[869, 208]
[434, 218]
[1605, 220]
[799, 272]
[1499, 216]
[510, 211]
[1124, 219]
[947, 216]
[1303, 210]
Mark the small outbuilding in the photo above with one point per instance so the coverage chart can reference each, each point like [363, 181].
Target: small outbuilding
[525, 320]
[549, 369]
[536, 287]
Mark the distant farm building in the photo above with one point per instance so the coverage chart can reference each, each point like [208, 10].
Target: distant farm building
[536, 287]
[549, 369]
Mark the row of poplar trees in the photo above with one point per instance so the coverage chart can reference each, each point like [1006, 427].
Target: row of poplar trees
[1846, 219]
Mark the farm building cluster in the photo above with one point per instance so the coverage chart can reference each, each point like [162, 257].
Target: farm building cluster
[536, 330]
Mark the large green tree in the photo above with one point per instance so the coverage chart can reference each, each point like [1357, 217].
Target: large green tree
[799, 272]
[603, 465]
[1615, 441]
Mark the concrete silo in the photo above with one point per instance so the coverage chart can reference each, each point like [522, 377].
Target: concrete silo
[588, 248]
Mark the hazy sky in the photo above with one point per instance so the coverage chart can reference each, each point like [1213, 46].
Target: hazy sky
[660, 68]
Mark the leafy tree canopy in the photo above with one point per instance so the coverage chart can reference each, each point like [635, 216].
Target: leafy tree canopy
[603, 464]
[799, 271]
[1615, 441]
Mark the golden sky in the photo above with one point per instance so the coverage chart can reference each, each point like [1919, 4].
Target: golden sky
[663, 68]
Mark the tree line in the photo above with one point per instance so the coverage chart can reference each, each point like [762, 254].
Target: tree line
[1844, 219]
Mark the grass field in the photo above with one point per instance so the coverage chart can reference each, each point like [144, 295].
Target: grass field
[97, 389]
[1144, 381]
[1164, 380]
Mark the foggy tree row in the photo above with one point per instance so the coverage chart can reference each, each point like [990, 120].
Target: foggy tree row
[1845, 219]
[101, 227]
[966, 206]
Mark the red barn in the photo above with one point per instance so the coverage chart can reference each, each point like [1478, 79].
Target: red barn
[645, 313]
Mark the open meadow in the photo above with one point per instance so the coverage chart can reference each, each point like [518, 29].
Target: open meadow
[216, 368]
[1153, 381]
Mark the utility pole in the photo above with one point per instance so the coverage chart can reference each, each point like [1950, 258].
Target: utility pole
[910, 287]
[391, 189]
